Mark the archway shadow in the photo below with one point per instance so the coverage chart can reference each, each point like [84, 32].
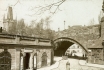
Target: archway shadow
[63, 43]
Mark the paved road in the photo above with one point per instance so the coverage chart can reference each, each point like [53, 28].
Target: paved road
[74, 65]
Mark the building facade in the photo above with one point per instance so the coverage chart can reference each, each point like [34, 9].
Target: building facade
[24, 53]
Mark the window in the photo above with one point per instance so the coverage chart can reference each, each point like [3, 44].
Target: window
[5, 60]
[44, 59]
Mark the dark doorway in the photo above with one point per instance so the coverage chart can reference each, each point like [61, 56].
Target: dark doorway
[26, 61]
[62, 47]
[5, 60]
[44, 59]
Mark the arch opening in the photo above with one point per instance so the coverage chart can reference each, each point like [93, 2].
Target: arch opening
[44, 59]
[5, 60]
[61, 47]
[62, 44]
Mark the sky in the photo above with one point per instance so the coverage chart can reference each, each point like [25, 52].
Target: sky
[73, 12]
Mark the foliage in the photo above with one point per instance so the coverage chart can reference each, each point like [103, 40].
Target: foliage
[20, 27]
[35, 29]
[12, 28]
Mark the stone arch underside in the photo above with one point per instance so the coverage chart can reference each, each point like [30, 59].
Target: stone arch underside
[63, 43]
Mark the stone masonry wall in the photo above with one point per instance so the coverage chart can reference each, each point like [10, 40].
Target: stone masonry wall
[39, 57]
[12, 52]
[15, 57]
[82, 34]
[96, 56]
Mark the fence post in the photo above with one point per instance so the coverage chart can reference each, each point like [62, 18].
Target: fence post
[68, 66]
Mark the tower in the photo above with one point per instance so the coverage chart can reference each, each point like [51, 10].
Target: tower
[8, 21]
[10, 13]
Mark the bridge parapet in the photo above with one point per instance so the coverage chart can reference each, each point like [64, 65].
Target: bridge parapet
[24, 40]
[82, 34]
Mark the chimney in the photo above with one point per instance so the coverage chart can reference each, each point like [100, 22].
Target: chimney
[0, 29]
[10, 13]
[58, 29]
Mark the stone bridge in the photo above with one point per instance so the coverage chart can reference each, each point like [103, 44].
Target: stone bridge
[84, 36]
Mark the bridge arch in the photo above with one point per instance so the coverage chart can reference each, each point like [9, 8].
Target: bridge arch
[67, 42]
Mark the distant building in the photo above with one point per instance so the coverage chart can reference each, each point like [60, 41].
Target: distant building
[75, 50]
[8, 20]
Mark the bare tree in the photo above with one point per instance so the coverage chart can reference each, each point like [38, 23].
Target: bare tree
[92, 22]
[100, 16]
[17, 27]
[48, 32]
[41, 9]
[47, 22]
[21, 27]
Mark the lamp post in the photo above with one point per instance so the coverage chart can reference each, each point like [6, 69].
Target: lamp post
[103, 6]
[64, 25]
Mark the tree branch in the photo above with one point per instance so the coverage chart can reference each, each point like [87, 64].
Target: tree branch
[42, 9]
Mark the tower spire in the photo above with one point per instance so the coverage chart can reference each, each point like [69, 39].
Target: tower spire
[4, 18]
[10, 13]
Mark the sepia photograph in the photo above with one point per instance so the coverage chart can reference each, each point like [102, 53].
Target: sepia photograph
[51, 34]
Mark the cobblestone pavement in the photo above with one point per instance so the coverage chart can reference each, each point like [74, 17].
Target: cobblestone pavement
[74, 65]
